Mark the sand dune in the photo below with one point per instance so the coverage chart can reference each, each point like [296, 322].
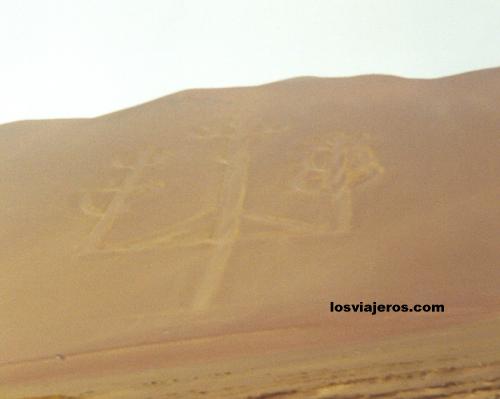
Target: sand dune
[228, 219]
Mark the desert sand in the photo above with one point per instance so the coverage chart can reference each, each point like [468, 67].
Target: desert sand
[190, 246]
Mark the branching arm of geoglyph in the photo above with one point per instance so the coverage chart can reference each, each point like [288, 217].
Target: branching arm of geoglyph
[118, 204]
[336, 167]
[172, 237]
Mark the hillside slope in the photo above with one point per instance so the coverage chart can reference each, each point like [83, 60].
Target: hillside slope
[209, 212]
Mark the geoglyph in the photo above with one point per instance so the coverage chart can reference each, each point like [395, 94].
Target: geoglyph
[334, 166]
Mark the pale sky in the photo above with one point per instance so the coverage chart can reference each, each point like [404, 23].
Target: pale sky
[83, 58]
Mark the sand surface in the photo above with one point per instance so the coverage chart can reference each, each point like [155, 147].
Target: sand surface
[190, 246]
[457, 362]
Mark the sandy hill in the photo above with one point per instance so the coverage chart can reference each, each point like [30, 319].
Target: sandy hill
[218, 211]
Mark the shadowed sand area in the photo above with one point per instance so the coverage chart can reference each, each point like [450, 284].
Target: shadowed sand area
[190, 246]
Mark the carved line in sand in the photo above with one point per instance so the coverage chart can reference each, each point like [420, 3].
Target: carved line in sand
[230, 210]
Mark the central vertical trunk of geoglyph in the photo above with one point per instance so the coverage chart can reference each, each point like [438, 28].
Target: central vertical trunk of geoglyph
[228, 220]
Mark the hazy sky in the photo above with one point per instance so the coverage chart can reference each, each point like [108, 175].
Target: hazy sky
[69, 58]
